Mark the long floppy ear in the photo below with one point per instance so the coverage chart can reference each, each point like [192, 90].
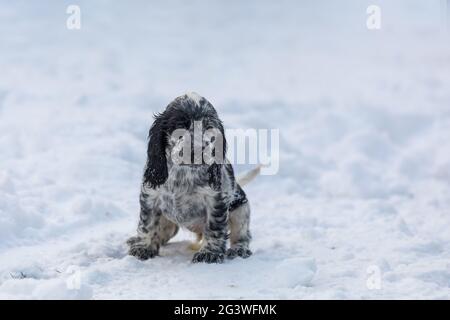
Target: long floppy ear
[215, 176]
[156, 169]
[215, 169]
[224, 144]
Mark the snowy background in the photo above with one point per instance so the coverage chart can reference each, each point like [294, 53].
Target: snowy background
[363, 190]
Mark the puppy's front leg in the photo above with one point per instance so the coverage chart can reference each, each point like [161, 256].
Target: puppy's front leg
[152, 232]
[215, 233]
[240, 235]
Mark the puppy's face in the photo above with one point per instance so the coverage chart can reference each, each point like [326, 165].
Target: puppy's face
[188, 133]
[197, 142]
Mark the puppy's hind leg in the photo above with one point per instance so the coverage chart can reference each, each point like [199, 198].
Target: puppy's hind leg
[168, 230]
[195, 246]
[239, 232]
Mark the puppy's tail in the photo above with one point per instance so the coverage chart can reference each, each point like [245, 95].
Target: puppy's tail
[248, 177]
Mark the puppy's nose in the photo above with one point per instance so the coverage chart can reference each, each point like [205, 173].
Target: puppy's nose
[197, 151]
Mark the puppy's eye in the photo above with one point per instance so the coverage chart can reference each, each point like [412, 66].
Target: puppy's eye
[213, 138]
[209, 128]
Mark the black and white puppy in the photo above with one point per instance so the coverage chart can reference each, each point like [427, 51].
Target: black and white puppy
[194, 189]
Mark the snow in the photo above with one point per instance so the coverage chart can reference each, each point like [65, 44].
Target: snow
[358, 210]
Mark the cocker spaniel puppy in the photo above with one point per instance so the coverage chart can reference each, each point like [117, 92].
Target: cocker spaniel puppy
[188, 182]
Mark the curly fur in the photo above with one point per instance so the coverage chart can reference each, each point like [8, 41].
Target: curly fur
[203, 198]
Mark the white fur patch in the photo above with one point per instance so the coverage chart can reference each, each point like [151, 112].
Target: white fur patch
[194, 97]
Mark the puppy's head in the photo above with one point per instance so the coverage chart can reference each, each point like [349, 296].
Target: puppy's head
[188, 133]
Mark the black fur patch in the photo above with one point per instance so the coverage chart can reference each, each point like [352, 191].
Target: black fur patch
[239, 198]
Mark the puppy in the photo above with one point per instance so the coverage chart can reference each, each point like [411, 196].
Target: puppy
[188, 182]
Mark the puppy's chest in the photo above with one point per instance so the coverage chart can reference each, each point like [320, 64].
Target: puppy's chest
[185, 199]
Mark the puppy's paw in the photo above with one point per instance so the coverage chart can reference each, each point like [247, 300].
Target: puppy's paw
[238, 252]
[208, 257]
[133, 240]
[142, 252]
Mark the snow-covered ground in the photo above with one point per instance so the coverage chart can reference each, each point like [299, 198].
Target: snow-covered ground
[360, 207]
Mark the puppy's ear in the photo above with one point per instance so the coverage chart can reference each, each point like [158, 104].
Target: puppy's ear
[156, 169]
[215, 169]
[220, 144]
[215, 176]
[224, 144]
